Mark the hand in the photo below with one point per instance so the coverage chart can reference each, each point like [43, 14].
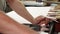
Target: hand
[41, 20]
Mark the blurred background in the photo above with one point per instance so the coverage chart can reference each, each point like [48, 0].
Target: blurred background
[36, 8]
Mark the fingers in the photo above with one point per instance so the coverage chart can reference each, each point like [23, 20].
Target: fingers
[44, 29]
[46, 21]
[38, 19]
[42, 20]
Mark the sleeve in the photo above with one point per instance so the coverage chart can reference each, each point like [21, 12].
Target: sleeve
[2, 4]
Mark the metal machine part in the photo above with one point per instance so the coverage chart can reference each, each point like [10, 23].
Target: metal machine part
[34, 26]
[52, 27]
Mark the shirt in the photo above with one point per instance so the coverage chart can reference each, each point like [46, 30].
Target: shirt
[2, 4]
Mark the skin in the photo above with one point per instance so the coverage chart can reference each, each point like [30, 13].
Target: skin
[19, 8]
[9, 26]
[41, 20]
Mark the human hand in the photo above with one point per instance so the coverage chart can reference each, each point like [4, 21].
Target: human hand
[41, 20]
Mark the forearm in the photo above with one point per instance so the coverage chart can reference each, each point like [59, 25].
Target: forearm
[9, 26]
[17, 6]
